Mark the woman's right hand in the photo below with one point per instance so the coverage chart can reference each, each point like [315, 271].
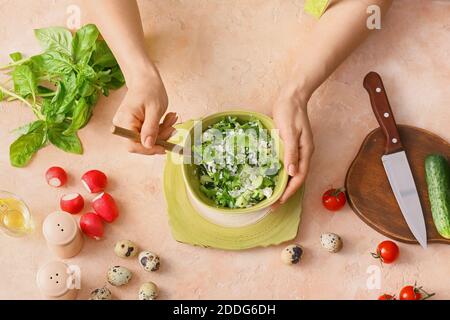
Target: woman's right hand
[142, 109]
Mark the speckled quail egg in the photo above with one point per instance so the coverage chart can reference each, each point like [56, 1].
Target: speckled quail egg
[101, 294]
[125, 249]
[118, 276]
[292, 254]
[148, 291]
[331, 242]
[149, 261]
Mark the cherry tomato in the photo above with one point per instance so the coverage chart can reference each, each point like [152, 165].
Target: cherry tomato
[409, 293]
[387, 252]
[386, 297]
[414, 293]
[334, 199]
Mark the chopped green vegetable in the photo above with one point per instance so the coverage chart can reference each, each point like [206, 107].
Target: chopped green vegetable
[61, 86]
[236, 163]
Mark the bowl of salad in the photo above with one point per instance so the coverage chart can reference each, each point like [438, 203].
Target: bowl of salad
[235, 167]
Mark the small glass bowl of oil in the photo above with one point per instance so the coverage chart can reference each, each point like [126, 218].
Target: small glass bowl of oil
[15, 217]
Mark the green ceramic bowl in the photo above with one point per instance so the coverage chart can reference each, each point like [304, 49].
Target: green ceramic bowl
[191, 179]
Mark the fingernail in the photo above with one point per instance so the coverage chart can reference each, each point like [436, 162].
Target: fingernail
[291, 170]
[148, 142]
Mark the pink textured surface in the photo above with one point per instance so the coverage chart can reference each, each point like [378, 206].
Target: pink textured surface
[217, 56]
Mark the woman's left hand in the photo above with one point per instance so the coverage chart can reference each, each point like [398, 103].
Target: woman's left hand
[291, 118]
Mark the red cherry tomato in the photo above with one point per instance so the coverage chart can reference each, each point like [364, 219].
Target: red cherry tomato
[414, 293]
[386, 297]
[387, 251]
[334, 199]
[409, 293]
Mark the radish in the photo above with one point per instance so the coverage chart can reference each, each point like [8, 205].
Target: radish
[91, 224]
[94, 181]
[105, 206]
[72, 203]
[56, 177]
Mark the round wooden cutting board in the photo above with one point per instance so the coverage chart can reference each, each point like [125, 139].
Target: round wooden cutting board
[368, 190]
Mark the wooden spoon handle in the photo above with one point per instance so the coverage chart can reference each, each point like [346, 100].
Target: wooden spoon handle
[133, 135]
[383, 112]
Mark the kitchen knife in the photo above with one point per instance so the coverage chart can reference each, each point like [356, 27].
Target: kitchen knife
[395, 161]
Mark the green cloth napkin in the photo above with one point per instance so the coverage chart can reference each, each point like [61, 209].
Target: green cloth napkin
[316, 8]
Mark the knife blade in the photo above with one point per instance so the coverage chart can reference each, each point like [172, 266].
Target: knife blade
[395, 161]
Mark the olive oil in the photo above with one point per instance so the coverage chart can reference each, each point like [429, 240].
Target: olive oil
[15, 218]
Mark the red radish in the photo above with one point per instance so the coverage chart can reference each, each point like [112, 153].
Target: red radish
[94, 181]
[92, 225]
[56, 177]
[72, 203]
[105, 206]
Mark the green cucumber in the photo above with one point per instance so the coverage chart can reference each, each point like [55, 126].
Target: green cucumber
[437, 172]
[205, 179]
[257, 182]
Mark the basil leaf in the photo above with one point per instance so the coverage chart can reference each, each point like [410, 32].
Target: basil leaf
[44, 90]
[46, 107]
[86, 72]
[104, 76]
[71, 89]
[22, 150]
[53, 62]
[69, 143]
[2, 95]
[92, 99]
[102, 56]
[15, 56]
[84, 43]
[30, 127]
[55, 39]
[60, 95]
[118, 80]
[24, 81]
[85, 79]
[81, 115]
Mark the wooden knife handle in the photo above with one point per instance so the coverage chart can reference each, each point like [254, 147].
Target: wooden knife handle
[383, 112]
[132, 135]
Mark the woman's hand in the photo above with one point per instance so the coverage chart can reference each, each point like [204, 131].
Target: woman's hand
[291, 117]
[141, 111]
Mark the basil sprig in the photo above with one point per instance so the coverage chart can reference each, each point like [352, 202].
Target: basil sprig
[61, 85]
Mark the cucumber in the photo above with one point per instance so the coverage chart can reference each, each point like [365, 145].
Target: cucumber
[437, 171]
[205, 179]
[257, 182]
[241, 202]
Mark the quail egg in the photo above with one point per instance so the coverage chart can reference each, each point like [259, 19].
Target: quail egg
[118, 276]
[292, 254]
[101, 294]
[125, 249]
[149, 261]
[148, 291]
[331, 242]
